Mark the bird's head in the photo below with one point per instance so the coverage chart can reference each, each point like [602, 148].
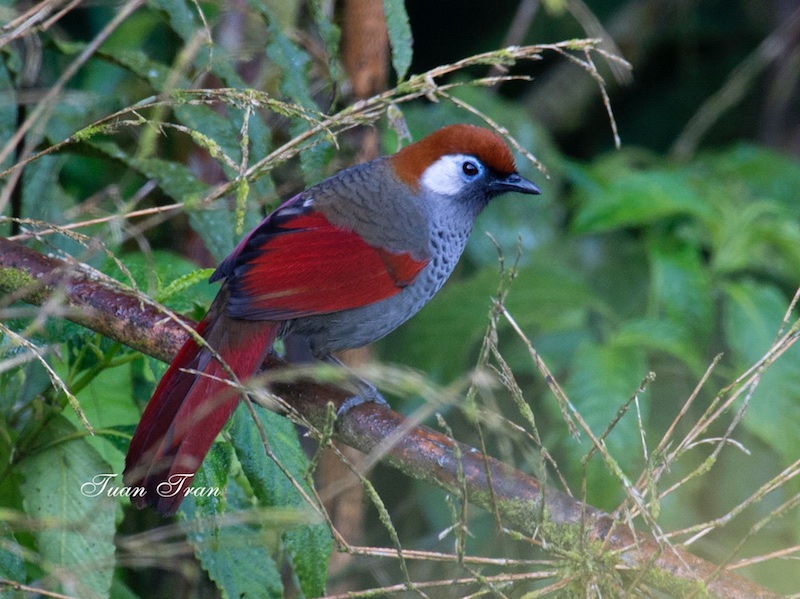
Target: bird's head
[463, 162]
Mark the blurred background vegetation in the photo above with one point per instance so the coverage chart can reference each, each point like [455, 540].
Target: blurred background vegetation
[678, 247]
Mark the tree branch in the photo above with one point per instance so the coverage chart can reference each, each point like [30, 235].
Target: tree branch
[418, 451]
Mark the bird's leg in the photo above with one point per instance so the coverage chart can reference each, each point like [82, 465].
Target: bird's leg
[365, 391]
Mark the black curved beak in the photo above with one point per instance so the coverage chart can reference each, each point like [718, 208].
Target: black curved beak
[514, 182]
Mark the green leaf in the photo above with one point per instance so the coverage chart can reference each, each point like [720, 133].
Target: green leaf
[21, 385]
[41, 179]
[139, 63]
[168, 277]
[12, 566]
[766, 173]
[182, 17]
[76, 541]
[222, 129]
[751, 317]
[216, 223]
[760, 235]
[634, 198]
[309, 546]
[752, 314]
[235, 558]
[226, 550]
[263, 187]
[217, 226]
[8, 109]
[330, 34]
[293, 63]
[174, 179]
[681, 287]
[399, 36]
[661, 335]
[106, 401]
[602, 379]
[97, 101]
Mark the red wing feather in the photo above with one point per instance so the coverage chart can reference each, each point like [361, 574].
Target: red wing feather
[299, 264]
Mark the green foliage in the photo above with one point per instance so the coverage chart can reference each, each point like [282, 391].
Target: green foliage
[621, 307]
[399, 36]
[12, 566]
[277, 480]
[228, 551]
[76, 542]
[751, 319]
[629, 263]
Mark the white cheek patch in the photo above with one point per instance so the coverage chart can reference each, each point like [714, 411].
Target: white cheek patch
[444, 175]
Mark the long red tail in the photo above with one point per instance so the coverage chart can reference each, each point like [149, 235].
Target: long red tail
[188, 410]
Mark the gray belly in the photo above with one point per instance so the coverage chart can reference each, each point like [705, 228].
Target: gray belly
[358, 327]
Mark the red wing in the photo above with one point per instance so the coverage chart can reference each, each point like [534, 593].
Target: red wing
[296, 263]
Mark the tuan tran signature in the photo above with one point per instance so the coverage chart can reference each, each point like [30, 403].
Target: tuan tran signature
[176, 485]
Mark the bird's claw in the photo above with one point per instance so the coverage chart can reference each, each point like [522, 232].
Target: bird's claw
[365, 392]
[370, 396]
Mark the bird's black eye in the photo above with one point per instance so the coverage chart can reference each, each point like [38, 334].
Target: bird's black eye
[470, 169]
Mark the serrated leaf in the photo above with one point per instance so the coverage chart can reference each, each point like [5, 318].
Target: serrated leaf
[76, 541]
[400, 37]
[96, 102]
[752, 314]
[222, 130]
[173, 178]
[12, 566]
[330, 34]
[142, 65]
[235, 558]
[309, 546]
[166, 276]
[228, 551]
[41, 179]
[293, 63]
[315, 159]
[263, 188]
[182, 17]
[217, 226]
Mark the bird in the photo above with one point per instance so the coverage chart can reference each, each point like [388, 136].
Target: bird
[338, 266]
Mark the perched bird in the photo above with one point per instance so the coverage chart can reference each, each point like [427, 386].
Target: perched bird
[338, 266]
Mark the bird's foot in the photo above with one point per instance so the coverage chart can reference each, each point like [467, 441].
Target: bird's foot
[366, 392]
